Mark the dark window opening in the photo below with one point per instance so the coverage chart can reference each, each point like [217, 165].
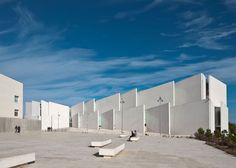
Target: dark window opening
[217, 118]
[16, 112]
[207, 89]
[16, 99]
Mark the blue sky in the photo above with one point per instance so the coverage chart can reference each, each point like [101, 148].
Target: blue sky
[74, 50]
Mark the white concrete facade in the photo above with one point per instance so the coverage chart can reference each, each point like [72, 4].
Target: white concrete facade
[177, 108]
[51, 114]
[11, 98]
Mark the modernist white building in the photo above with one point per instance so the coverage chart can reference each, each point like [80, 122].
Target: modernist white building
[11, 98]
[177, 108]
[51, 114]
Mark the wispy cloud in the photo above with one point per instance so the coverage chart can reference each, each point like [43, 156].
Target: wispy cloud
[26, 22]
[169, 34]
[230, 4]
[198, 31]
[149, 6]
[211, 38]
[198, 23]
[2, 2]
[69, 75]
[133, 13]
[7, 31]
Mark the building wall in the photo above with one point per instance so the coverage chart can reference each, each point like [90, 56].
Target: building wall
[224, 117]
[76, 110]
[217, 91]
[134, 119]
[92, 120]
[189, 90]
[187, 118]
[150, 96]
[211, 121]
[108, 103]
[108, 119]
[89, 106]
[158, 119]
[8, 124]
[130, 99]
[46, 116]
[52, 114]
[32, 110]
[59, 115]
[9, 88]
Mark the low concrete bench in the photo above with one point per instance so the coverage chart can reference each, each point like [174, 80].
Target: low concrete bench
[17, 160]
[134, 139]
[100, 143]
[123, 135]
[110, 152]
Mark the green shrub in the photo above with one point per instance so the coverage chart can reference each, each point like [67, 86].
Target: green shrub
[200, 134]
[217, 134]
[200, 131]
[232, 128]
[208, 133]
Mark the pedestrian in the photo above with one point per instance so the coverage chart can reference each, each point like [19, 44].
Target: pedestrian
[16, 127]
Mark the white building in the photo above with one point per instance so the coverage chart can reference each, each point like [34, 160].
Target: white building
[11, 98]
[177, 108]
[51, 114]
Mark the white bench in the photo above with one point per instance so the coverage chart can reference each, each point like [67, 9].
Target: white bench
[100, 143]
[134, 139]
[110, 152]
[123, 136]
[17, 160]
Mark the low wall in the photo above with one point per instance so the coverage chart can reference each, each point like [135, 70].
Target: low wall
[134, 119]
[8, 124]
[158, 119]
[108, 119]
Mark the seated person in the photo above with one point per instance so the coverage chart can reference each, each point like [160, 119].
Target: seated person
[132, 135]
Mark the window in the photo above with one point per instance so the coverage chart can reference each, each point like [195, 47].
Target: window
[207, 90]
[16, 99]
[217, 118]
[16, 112]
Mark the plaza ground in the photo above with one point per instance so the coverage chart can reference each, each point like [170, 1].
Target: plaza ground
[71, 149]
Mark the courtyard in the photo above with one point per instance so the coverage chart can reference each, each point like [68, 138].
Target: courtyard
[71, 149]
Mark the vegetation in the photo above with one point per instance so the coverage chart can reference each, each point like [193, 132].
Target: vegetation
[222, 140]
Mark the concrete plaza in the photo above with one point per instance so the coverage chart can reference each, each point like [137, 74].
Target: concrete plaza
[71, 149]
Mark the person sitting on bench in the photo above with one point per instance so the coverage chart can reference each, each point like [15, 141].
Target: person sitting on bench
[133, 134]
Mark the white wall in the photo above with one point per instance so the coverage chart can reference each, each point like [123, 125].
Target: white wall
[52, 114]
[187, 118]
[224, 117]
[92, 120]
[8, 89]
[130, 99]
[158, 119]
[217, 91]
[108, 103]
[190, 90]
[76, 110]
[108, 119]
[59, 115]
[150, 96]
[46, 115]
[32, 110]
[89, 106]
[211, 116]
[134, 119]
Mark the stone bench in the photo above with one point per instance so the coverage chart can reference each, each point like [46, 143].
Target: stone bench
[17, 160]
[110, 152]
[100, 143]
[123, 135]
[134, 139]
